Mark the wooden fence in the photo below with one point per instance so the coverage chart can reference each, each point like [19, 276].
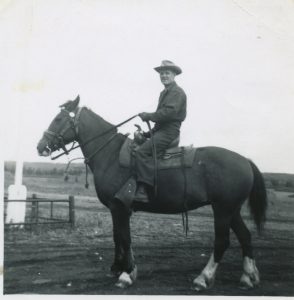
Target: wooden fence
[35, 218]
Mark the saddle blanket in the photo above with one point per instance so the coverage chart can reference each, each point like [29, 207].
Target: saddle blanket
[176, 157]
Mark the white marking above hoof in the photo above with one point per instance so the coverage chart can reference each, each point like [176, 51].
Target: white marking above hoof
[124, 281]
[199, 284]
[250, 277]
[134, 274]
[198, 287]
[245, 282]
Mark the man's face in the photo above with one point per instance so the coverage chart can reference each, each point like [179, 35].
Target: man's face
[167, 77]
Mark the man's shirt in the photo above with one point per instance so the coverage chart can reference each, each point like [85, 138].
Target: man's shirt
[171, 107]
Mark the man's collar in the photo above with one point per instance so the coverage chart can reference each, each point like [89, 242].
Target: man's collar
[170, 86]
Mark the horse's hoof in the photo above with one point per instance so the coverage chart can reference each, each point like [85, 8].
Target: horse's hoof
[202, 283]
[198, 287]
[245, 282]
[255, 277]
[249, 281]
[250, 278]
[124, 280]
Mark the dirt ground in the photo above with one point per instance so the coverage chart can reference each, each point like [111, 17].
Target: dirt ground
[64, 261]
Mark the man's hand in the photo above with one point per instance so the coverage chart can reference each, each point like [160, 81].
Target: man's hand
[145, 116]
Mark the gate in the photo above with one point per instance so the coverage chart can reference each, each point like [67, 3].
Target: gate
[37, 219]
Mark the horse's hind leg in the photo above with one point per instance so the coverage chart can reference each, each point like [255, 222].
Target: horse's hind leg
[250, 276]
[222, 222]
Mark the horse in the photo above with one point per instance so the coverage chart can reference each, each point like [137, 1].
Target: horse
[220, 178]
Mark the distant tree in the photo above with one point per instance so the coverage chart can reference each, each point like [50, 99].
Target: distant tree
[39, 172]
[268, 184]
[9, 167]
[289, 183]
[28, 171]
[53, 172]
[275, 182]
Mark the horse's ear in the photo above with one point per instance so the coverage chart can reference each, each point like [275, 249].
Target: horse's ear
[77, 100]
[75, 103]
[71, 105]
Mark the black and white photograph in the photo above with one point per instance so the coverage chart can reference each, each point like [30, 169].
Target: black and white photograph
[147, 147]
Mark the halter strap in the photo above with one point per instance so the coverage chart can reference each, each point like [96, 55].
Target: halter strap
[51, 133]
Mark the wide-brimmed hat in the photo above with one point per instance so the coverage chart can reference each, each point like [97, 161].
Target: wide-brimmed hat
[168, 65]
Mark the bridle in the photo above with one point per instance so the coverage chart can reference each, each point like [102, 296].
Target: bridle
[74, 119]
[60, 137]
[73, 125]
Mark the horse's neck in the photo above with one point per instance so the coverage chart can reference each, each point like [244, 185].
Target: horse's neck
[90, 126]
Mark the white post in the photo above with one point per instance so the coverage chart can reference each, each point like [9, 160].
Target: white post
[18, 172]
[16, 210]
[17, 191]
[1, 182]
[1, 217]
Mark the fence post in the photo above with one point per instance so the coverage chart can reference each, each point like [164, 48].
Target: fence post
[51, 210]
[34, 208]
[71, 210]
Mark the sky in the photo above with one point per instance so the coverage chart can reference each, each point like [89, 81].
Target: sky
[237, 59]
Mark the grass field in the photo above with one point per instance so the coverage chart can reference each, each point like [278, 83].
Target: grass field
[64, 261]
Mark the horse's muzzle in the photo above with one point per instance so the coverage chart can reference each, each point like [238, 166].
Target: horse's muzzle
[43, 149]
[44, 153]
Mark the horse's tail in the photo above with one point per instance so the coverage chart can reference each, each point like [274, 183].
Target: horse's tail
[258, 198]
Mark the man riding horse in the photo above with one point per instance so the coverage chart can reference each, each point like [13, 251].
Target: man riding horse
[168, 117]
[214, 176]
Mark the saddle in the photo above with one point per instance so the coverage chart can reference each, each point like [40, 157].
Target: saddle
[173, 157]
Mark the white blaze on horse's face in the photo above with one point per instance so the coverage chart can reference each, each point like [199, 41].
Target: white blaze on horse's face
[167, 77]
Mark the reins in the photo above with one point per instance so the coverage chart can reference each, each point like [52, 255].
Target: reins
[87, 159]
[93, 138]
[155, 159]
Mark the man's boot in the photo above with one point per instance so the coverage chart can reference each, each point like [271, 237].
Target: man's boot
[141, 194]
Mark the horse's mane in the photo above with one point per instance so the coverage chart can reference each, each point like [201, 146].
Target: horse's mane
[95, 117]
[100, 120]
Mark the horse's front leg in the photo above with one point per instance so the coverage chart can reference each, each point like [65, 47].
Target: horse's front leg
[117, 266]
[124, 264]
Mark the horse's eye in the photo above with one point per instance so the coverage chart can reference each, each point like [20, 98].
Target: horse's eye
[58, 119]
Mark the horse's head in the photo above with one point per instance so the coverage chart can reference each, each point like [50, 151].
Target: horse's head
[62, 129]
